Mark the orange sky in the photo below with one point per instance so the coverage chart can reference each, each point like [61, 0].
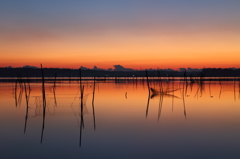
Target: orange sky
[131, 51]
[143, 35]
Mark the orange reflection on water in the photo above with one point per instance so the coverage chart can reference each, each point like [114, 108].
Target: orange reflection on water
[129, 101]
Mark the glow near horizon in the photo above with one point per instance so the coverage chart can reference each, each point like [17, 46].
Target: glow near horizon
[134, 34]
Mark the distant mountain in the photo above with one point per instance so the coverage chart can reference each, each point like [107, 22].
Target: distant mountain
[116, 68]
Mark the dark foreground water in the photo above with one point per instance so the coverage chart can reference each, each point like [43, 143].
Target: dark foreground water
[199, 120]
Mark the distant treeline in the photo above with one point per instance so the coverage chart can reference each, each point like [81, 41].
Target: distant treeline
[51, 72]
[219, 72]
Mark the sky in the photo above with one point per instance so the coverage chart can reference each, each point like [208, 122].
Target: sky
[138, 34]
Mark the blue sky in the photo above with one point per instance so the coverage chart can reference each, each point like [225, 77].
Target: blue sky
[119, 15]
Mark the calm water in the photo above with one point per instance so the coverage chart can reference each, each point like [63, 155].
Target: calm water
[123, 121]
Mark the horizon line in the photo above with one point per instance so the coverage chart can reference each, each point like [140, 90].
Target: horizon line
[121, 68]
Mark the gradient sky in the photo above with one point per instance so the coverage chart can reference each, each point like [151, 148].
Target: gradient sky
[133, 33]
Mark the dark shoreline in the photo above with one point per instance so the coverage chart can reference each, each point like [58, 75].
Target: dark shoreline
[114, 79]
[73, 73]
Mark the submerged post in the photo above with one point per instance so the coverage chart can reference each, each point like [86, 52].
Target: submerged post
[27, 99]
[148, 82]
[54, 89]
[81, 117]
[148, 93]
[94, 122]
[80, 78]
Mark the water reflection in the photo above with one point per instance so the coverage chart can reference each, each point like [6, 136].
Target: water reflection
[169, 89]
[81, 114]
[198, 108]
[27, 96]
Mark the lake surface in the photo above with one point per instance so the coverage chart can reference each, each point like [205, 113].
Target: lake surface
[177, 120]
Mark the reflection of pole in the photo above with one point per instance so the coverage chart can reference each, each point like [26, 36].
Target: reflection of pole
[16, 93]
[147, 104]
[27, 99]
[220, 88]
[185, 114]
[44, 103]
[173, 93]
[19, 99]
[81, 106]
[148, 93]
[94, 122]
[160, 95]
[43, 127]
[160, 106]
[238, 87]
[81, 115]
[54, 88]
